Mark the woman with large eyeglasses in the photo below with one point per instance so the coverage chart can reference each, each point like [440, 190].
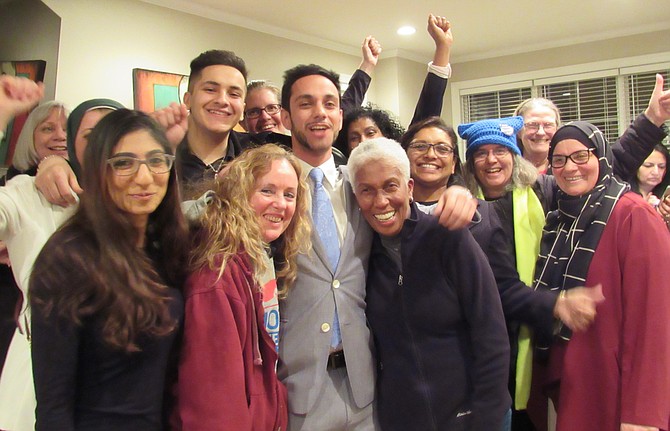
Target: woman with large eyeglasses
[433, 158]
[262, 114]
[615, 375]
[106, 289]
[495, 171]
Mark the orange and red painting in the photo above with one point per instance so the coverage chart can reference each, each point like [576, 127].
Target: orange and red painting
[154, 90]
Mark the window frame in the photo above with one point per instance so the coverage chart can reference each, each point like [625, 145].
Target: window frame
[619, 68]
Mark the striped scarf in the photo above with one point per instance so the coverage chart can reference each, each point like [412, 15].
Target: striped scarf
[572, 232]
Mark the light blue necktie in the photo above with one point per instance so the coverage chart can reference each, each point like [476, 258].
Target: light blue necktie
[324, 223]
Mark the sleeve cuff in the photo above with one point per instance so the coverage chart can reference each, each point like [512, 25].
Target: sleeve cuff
[441, 71]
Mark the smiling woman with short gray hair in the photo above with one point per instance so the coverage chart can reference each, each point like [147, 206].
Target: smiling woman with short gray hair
[432, 305]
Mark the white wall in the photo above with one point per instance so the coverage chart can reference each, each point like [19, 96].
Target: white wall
[398, 83]
[387, 85]
[585, 57]
[410, 80]
[102, 41]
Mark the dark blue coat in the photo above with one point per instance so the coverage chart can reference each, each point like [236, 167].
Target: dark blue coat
[439, 331]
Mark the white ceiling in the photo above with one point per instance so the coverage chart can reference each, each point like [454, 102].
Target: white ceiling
[481, 28]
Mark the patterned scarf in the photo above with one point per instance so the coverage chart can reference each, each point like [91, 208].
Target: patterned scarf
[572, 232]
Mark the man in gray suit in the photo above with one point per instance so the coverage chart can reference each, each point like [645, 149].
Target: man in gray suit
[327, 392]
[324, 392]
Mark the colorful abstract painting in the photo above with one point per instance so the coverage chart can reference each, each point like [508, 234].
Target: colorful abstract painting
[154, 90]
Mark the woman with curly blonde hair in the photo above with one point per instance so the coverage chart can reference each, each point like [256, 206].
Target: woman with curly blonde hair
[257, 214]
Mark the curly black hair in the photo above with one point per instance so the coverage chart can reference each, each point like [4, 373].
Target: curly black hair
[388, 125]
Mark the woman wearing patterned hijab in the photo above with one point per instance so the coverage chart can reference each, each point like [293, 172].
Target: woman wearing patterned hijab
[615, 375]
[495, 169]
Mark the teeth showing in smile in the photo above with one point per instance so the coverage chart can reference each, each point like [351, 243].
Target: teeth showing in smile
[217, 112]
[58, 148]
[318, 128]
[386, 216]
[274, 219]
[493, 170]
[573, 178]
[268, 127]
[429, 166]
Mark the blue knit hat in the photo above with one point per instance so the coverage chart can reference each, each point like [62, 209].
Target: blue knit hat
[501, 131]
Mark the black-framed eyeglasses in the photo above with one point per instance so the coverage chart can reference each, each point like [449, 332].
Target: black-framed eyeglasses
[271, 109]
[127, 165]
[441, 150]
[498, 152]
[579, 157]
[534, 126]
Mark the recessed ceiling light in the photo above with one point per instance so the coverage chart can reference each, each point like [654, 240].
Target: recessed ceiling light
[406, 30]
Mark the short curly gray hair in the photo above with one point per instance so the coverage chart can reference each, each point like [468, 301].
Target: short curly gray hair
[378, 149]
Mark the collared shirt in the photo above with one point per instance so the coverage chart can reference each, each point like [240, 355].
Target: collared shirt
[334, 185]
[192, 170]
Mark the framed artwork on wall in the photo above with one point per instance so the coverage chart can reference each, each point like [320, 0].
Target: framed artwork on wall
[154, 90]
[31, 69]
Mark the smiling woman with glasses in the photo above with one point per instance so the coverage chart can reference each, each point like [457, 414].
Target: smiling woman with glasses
[614, 375]
[421, 147]
[482, 154]
[106, 289]
[579, 157]
[270, 109]
[431, 147]
[262, 114]
[157, 162]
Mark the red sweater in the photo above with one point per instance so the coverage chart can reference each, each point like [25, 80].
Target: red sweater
[619, 369]
[227, 378]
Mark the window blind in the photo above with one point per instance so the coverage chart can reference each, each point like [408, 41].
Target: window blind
[640, 86]
[593, 100]
[495, 104]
